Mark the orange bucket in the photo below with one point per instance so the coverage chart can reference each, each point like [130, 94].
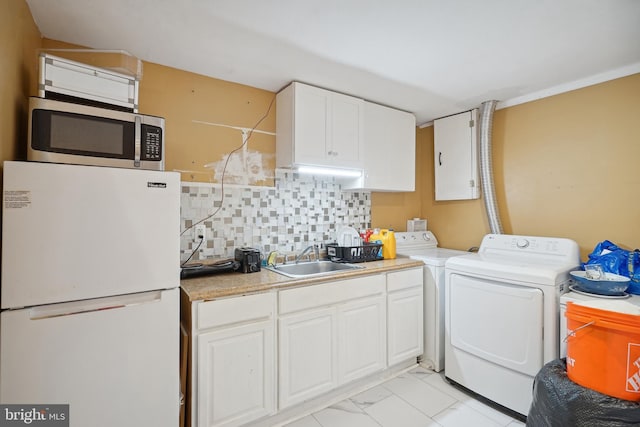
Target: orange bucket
[603, 351]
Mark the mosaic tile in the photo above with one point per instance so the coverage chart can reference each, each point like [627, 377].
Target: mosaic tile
[287, 217]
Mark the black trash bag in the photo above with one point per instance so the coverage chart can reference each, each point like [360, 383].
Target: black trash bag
[559, 402]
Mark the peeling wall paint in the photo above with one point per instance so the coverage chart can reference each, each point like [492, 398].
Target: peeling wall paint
[246, 167]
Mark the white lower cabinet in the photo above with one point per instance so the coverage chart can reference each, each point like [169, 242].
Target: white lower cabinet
[235, 360]
[361, 338]
[328, 335]
[308, 355]
[405, 315]
[335, 333]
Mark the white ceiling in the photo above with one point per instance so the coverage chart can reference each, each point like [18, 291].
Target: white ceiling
[430, 57]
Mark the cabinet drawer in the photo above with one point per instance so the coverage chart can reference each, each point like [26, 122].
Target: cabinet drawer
[234, 310]
[404, 279]
[330, 293]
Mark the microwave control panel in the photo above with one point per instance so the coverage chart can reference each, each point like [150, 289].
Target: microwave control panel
[152, 143]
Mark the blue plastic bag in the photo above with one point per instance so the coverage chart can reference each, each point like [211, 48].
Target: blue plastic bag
[614, 259]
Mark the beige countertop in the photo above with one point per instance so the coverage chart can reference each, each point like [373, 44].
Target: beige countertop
[234, 283]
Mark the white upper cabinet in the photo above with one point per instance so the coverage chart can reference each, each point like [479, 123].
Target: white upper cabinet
[317, 127]
[456, 157]
[389, 150]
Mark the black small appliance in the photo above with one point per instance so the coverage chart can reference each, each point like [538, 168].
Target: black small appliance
[249, 259]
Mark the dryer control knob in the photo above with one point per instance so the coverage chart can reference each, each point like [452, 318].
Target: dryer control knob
[522, 243]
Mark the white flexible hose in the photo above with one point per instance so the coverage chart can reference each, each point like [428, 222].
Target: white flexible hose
[486, 166]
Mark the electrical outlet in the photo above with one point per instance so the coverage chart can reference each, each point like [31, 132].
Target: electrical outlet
[199, 230]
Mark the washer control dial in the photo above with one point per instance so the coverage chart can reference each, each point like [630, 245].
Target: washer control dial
[522, 243]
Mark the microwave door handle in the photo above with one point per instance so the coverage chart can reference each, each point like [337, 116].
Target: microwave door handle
[138, 129]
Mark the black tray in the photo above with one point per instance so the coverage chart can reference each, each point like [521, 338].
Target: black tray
[197, 270]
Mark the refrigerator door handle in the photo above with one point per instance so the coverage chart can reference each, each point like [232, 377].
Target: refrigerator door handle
[91, 305]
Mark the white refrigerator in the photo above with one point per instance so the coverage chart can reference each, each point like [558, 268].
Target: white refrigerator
[90, 297]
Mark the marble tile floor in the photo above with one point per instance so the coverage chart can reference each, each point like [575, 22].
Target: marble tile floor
[418, 398]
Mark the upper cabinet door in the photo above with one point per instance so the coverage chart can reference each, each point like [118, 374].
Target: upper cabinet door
[344, 147]
[317, 127]
[390, 150]
[311, 124]
[456, 157]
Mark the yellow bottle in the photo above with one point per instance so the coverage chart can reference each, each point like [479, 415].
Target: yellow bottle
[388, 240]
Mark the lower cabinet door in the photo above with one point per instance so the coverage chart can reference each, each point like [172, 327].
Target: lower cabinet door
[405, 323]
[236, 375]
[362, 338]
[308, 354]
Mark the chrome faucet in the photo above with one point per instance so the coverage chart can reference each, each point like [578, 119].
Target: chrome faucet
[316, 251]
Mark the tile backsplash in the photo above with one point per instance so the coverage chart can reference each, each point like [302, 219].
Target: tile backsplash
[298, 211]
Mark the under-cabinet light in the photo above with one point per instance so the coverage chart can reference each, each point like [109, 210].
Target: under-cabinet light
[314, 170]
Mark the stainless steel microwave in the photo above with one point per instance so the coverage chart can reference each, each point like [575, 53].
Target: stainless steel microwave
[63, 132]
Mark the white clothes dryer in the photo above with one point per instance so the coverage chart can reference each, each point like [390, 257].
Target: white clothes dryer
[423, 246]
[502, 320]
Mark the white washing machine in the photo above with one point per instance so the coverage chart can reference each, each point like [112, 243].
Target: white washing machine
[581, 297]
[423, 246]
[502, 314]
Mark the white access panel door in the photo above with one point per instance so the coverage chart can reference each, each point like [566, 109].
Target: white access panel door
[456, 157]
[113, 360]
[72, 232]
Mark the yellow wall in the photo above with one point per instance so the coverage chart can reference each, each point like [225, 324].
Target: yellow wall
[19, 41]
[182, 97]
[564, 166]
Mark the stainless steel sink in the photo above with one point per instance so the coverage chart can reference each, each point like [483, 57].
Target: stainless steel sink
[314, 268]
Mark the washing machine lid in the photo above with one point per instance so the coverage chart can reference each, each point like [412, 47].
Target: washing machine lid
[432, 256]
